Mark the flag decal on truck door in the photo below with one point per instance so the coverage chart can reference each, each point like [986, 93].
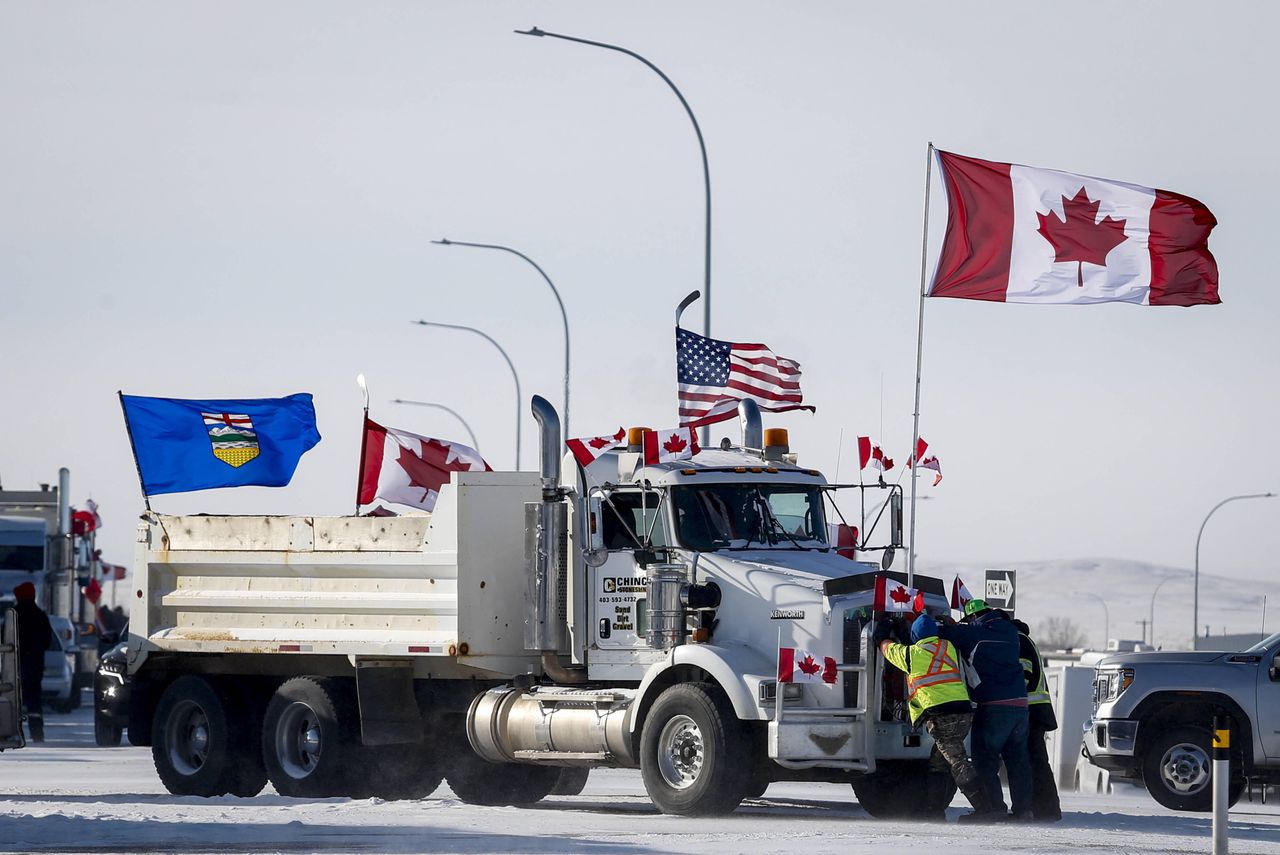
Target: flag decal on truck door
[232, 436]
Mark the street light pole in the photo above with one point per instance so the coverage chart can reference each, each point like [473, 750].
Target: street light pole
[475, 445]
[1195, 599]
[706, 169]
[1106, 617]
[1152, 622]
[510, 364]
[563, 317]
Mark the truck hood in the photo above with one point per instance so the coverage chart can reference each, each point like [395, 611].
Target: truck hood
[1160, 657]
[807, 568]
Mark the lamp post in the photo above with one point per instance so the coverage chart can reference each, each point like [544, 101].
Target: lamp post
[510, 364]
[1106, 617]
[706, 170]
[1152, 622]
[448, 410]
[1195, 599]
[563, 317]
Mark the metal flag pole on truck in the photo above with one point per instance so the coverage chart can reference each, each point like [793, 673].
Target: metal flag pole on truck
[133, 447]
[915, 429]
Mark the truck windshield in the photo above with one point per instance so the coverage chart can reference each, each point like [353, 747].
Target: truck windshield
[749, 516]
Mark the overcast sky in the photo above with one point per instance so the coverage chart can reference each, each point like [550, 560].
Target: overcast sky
[236, 200]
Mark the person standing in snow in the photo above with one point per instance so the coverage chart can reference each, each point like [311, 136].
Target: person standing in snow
[34, 636]
[937, 696]
[989, 642]
[1044, 790]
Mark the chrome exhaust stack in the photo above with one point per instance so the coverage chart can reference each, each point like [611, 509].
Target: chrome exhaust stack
[752, 430]
[548, 447]
[546, 528]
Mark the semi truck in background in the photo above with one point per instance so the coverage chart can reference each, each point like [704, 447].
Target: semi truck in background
[38, 544]
[534, 625]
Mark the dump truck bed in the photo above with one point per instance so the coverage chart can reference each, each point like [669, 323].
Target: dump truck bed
[447, 585]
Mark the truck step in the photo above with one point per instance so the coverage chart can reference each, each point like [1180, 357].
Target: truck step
[567, 756]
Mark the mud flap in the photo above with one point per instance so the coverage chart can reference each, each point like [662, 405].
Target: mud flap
[388, 707]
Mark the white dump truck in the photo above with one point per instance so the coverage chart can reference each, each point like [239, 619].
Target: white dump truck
[533, 626]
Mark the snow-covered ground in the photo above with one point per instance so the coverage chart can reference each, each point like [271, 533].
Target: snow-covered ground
[70, 796]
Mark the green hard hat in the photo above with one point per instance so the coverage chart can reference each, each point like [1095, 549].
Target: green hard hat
[974, 606]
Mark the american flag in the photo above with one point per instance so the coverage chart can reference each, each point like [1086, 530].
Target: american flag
[713, 376]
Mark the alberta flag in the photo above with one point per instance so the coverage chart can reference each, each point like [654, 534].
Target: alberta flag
[183, 445]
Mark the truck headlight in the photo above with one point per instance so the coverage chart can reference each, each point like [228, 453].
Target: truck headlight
[1110, 683]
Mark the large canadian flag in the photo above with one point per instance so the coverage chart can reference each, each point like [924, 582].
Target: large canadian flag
[402, 467]
[1019, 234]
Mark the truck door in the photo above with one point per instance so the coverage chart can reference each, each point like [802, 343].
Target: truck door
[1269, 702]
[10, 684]
[631, 518]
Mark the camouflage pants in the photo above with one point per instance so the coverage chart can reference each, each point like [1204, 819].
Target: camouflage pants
[949, 755]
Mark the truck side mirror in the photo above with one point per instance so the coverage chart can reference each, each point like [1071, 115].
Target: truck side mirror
[595, 554]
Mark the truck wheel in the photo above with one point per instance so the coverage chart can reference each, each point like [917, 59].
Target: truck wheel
[478, 782]
[1177, 770]
[898, 789]
[305, 744]
[396, 772]
[572, 781]
[106, 734]
[193, 739]
[691, 752]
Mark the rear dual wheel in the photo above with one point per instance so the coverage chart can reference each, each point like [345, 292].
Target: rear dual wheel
[312, 749]
[204, 742]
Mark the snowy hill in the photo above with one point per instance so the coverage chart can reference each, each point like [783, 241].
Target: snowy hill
[1071, 588]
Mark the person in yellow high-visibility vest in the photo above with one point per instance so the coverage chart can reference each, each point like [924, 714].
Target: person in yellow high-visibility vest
[937, 695]
[1045, 805]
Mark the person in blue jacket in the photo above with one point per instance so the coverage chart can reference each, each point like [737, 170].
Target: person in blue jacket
[989, 643]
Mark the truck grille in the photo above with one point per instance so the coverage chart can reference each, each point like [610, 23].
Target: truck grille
[851, 654]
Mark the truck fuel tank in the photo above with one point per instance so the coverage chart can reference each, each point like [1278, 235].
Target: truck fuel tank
[556, 726]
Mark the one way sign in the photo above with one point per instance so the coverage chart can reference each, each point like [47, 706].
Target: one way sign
[1000, 589]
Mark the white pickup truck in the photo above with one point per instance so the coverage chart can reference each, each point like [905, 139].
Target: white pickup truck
[623, 615]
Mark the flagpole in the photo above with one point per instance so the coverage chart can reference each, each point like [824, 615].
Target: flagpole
[364, 432]
[142, 485]
[915, 430]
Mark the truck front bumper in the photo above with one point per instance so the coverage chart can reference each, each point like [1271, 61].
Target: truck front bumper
[1109, 743]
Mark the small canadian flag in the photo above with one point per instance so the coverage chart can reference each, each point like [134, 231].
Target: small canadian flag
[894, 596]
[801, 666]
[959, 594]
[587, 448]
[869, 452]
[926, 461]
[664, 446]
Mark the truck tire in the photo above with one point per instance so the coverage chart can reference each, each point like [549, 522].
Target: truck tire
[395, 772]
[572, 781]
[478, 782]
[306, 740]
[692, 752]
[897, 790]
[1177, 770]
[106, 734]
[194, 740]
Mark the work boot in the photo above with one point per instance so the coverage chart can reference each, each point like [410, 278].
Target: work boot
[983, 810]
[936, 797]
